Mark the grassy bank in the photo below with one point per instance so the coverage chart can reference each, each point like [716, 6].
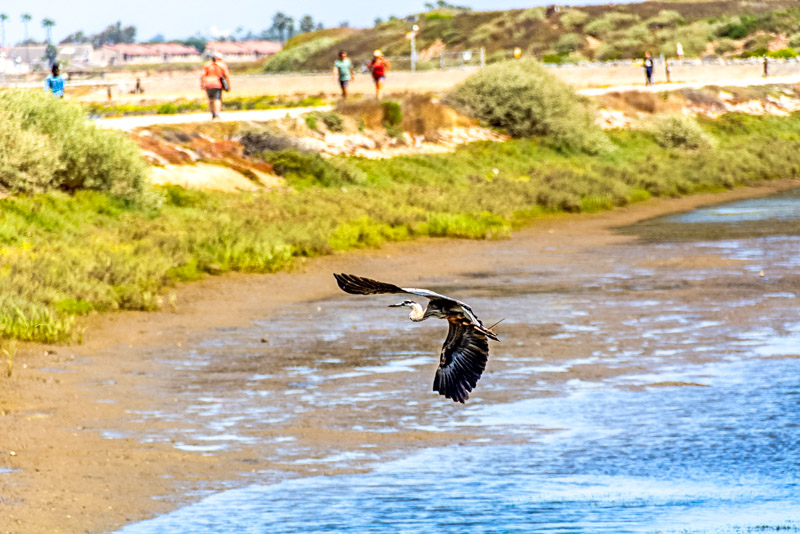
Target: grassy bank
[62, 256]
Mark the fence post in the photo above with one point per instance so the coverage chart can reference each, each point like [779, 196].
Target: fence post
[483, 57]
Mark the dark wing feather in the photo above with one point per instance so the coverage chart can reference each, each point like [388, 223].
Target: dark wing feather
[358, 285]
[464, 356]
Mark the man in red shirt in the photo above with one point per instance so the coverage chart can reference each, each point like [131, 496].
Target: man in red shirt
[216, 78]
[379, 67]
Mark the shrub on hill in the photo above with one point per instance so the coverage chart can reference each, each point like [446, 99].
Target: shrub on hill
[572, 18]
[679, 131]
[53, 145]
[526, 100]
[569, 42]
[294, 59]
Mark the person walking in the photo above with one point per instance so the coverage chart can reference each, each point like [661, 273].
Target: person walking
[679, 51]
[343, 71]
[55, 82]
[379, 67]
[215, 79]
[648, 67]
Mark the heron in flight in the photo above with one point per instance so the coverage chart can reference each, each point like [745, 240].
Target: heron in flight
[466, 348]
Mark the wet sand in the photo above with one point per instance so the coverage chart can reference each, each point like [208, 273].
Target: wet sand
[64, 408]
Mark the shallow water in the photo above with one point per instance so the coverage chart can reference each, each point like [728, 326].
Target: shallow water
[651, 386]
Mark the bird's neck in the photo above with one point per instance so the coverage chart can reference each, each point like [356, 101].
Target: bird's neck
[417, 313]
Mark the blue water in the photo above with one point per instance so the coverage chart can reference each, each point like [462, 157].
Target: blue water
[669, 459]
[624, 397]
[785, 206]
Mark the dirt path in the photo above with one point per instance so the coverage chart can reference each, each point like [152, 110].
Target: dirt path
[65, 409]
[627, 75]
[131, 123]
[255, 115]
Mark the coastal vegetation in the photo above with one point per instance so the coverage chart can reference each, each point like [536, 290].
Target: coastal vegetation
[525, 100]
[81, 231]
[724, 28]
[63, 255]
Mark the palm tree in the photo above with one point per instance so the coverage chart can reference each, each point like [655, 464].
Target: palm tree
[48, 24]
[306, 24]
[280, 21]
[26, 18]
[3, 19]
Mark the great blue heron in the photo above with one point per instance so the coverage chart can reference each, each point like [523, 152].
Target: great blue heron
[466, 348]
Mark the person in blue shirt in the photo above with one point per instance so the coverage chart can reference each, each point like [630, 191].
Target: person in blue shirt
[55, 82]
[343, 71]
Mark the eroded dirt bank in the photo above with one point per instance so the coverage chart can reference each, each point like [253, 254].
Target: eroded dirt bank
[65, 411]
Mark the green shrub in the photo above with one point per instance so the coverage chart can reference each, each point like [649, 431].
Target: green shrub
[664, 19]
[679, 131]
[305, 169]
[639, 33]
[392, 113]
[599, 27]
[573, 18]
[758, 52]
[794, 40]
[618, 18]
[295, 59]
[783, 53]
[552, 58]
[256, 140]
[88, 157]
[738, 28]
[311, 121]
[693, 37]
[167, 108]
[333, 121]
[725, 46]
[569, 43]
[28, 159]
[526, 100]
[533, 13]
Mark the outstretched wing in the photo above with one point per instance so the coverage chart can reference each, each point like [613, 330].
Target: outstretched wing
[464, 356]
[358, 285]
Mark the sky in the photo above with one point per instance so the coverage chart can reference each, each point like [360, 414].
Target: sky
[176, 19]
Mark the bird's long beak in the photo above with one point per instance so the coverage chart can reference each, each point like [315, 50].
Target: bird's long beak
[400, 305]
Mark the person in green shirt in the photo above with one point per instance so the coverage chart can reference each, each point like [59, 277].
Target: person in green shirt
[343, 71]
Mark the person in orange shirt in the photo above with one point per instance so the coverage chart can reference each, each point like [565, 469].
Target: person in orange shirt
[216, 78]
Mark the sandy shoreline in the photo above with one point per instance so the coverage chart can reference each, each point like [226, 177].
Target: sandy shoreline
[64, 407]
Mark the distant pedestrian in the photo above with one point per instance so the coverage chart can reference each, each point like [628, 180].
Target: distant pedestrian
[667, 71]
[648, 67]
[679, 51]
[379, 67]
[215, 79]
[766, 66]
[343, 71]
[55, 82]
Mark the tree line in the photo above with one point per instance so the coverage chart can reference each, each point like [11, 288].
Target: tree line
[282, 28]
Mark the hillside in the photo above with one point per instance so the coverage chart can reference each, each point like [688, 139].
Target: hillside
[607, 32]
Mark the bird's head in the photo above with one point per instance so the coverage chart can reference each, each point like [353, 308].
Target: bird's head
[417, 311]
[404, 304]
